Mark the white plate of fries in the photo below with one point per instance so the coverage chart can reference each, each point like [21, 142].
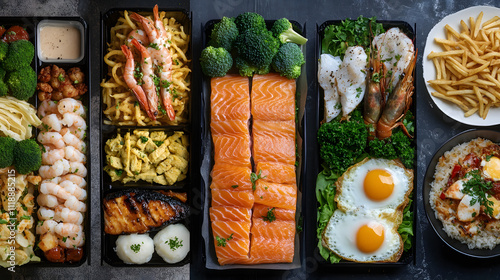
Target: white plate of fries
[462, 65]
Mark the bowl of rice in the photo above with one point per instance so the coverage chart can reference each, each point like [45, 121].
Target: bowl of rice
[483, 243]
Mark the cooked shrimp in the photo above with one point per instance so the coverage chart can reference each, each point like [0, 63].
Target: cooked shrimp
[50, 156]
[47, 107]
[59, 168]
[68, 229]
[45, 226]
[78, 180]
[45, 213]
[139, 35]
[72, 242]
[73, 140]
[71, 105]
[147, 71]
[54, 180]
[73, 119]
[78, 132]
[77, 168]
[74, 204]
[51, 138]
[72, 154]
[75, 190]
[51, 122]
[128, 75]
[53, 189]
[47, 200]
[66, 215]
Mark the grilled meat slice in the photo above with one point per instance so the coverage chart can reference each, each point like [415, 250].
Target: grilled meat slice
[139, 211]
[180, 196]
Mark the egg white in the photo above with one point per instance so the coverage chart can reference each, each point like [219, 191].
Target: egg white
[340, 235]
[350, 186]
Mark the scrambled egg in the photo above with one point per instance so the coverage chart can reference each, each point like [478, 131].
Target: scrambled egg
[153, 157]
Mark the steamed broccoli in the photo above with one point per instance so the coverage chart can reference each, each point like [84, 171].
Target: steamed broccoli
[22, 82]
[341, 143]
[396, 146]
[215, 62]
[247, 70]
[247, 21]
[283, 30]
[257, 48]
[223, 34]
[288, 61]
[2, 73]
[27, 156]
[4, 90]
[20, 54]
[7, 145]
[4, 47]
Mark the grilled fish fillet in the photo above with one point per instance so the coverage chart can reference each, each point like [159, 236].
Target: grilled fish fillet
[139, 211]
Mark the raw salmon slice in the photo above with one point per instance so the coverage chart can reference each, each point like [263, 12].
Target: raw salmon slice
[273, 98]
[232, 149]
[229, 127]
[230, 98]
[272, 128]
[275, 195]
[276, 172]
[221, 197]
[227, 176]
[271, 250]
[230, 213]
[234, 251]
[275, 229]
[273, 148]
[281, 214]
[235, 230]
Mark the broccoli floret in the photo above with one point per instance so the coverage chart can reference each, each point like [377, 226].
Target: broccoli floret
[4, 47]
[20, 54]
[2, 74]
[4, 90]
[396, 146]
[22, 83]
[7, 145]
[247, 21]
[283, 30]
[248, 70]
[224, 33]
[27, 156]
[381, 149]
[288, 61]
[215, 62]
[257, 48]
[341, 143]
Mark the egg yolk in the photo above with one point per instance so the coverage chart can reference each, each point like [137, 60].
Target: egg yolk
[492, 168]
[370, 237]
[378, 184]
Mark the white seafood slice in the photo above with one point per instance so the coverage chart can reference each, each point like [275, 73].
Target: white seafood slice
[351, 79]
[327, 70]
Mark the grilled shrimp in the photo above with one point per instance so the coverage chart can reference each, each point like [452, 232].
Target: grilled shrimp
[51, 138]
[66, 215]
[46, 226]
[148, 83]
[47, 200]
[71, 105]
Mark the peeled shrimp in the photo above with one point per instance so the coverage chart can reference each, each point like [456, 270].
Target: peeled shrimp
[51, 138]
[47, 107]
[78, 132]
[46, 226]
[78, 180]
[71, 105]
[58, 169]
[73, 119]
[53, 189]
[139, 35]
[45, 213]
[50, 156]
[68, 229]
[72, 242]
[72, 154]
[72, 140]
[54, 180]
[47, 200]
[77, 168]
[75, 190]
[51, 122]
[74, 204]
[66, 215]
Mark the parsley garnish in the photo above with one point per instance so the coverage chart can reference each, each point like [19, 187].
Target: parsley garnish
[270, 216]
[154, 46]
[222, 241]
[234, 186]
[119, 172]
[358, 92]
[60, 77]
[135, 247]
[478, 189]
[174, 243]
[488, 157]
[144, 139]
[254, 177]
[158, 143]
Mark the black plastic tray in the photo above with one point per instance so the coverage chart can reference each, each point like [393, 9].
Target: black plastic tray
[209, 255]
[407, 257]
[30, 24]
[108, 254]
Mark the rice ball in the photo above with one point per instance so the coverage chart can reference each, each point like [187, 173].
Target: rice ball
[135, 248]
[172, 243]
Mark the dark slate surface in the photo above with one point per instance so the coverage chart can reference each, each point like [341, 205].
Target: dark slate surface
[434, 260]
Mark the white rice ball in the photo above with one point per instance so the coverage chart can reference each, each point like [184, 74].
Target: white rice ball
[135, 248]
[172, 243]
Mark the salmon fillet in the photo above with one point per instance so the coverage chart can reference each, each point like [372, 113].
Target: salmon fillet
[230, 98]
[276, 229]
[275, 195]
[281, 214]
[273, 148]
[237, 230]
[230, 213]
[227, 176]
[221, 197]
[273, 98]
[273, 128]
[271, 250]
[229, 127]
[232, 149]
[234, 251]
[276, 172]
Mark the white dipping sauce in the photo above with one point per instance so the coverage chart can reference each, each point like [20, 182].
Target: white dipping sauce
[60, 42]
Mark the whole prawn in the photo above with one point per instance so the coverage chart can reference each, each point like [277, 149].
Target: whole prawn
[148, 77]
[374, 97]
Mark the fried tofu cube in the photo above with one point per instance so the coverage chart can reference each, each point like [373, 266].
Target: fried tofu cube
[178, 162]
[178, 149]
[115, 162]
[164, 166]
[172, 175]
[159, 154]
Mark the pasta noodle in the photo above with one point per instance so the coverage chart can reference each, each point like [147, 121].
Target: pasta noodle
[17, 118]
[120, 104]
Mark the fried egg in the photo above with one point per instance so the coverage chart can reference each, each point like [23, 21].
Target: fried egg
[374, 184]
[364, 235]
[491, 167]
